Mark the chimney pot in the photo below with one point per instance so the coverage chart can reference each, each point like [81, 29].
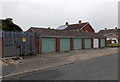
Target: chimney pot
[66, 23]
[115, 27]
[79, 21]
[48, 27]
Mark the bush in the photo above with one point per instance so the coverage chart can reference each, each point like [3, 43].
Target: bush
[8, 25]
[113, 45]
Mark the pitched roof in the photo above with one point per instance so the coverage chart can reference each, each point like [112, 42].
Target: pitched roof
[76, 26]
[109, 31]
[43, 32]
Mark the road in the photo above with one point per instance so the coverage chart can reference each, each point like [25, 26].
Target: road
[5, 69]
[102, 68]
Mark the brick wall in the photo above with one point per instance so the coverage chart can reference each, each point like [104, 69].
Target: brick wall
[108, 41]
[83, 43]
[88, 28]
[57, 44]
[37, 45]
[71, 43]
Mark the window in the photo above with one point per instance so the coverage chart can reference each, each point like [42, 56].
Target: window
[104, 34]
[110, 34]
[86, 31]
[77, 29]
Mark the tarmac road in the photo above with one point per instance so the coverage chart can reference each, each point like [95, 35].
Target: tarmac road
[102, 68]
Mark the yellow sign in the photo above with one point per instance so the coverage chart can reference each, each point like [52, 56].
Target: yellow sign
[24, 39]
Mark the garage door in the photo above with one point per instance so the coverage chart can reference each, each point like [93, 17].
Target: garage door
[77, 43]
[96, 43]
[48, 45]
[64, 44]
[102, 42]
[87, 43]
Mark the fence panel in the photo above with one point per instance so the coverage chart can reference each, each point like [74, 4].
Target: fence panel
[28, 43]
[18, 43]
[0, 43]
[12, 43]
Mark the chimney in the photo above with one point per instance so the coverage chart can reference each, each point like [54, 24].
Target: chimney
[66, 23]
[48, 27]
[79, 21]
[115, 27]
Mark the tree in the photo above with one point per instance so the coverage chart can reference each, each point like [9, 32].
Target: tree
[8, 25]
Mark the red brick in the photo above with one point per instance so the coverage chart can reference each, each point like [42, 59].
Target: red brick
[40, 45]
[71, 43]
[37, 45]
[1, 47]
[92, 43]
[57, 44]
[88, 28]
[83, 43]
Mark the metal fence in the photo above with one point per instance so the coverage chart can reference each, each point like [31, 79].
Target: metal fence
[17, 43]
[28, 43]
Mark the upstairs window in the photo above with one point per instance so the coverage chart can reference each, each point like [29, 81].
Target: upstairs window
[110, 34]
[104, 34]
[116, 34]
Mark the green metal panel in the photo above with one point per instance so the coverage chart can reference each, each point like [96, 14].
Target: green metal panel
[87, 43]
[48, 45]
[77, 43]
[64, 44]
[102, 42]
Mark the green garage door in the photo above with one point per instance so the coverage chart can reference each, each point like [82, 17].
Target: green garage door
[64, 44]
[48, 45]
[77, 43]
[102, 42]
[87, 43]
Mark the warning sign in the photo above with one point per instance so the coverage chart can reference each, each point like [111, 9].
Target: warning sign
[24, 39]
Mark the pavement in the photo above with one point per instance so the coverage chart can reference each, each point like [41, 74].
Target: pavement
[101, 68]
[0, 70]
[5, 69]
[43, 61]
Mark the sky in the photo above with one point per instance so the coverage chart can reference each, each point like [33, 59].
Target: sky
[53, 13]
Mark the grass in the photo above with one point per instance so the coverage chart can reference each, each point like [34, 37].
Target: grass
[113, 45]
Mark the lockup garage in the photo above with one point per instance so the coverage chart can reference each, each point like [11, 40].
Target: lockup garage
[51, 40]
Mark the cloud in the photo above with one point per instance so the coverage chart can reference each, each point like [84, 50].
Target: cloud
[52, 13]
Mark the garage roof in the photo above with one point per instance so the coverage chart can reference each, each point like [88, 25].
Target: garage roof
[45, 32]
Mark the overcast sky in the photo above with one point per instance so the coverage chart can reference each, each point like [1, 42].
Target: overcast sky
[53, 13]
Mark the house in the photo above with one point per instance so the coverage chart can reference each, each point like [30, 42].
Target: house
[86, 27]
[111, 34]
[52, 40]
